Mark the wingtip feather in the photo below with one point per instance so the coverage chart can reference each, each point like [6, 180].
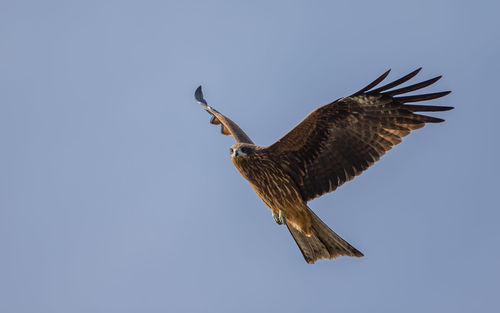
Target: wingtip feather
[413, 87]
[399, 81]
[423, 97]
[198, 96]
[374, 83]
[427, 108]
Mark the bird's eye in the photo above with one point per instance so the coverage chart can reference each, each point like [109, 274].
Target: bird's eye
[244, 150]
[231, 150]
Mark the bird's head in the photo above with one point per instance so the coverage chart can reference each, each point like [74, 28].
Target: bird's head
[242, 150]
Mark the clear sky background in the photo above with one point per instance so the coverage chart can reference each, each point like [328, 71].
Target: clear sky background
[117, 195]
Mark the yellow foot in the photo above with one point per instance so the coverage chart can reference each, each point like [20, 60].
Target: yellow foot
[279, 218]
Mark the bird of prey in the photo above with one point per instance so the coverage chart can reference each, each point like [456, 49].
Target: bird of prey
[332, 145]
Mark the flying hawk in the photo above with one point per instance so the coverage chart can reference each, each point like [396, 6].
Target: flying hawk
[331, 146]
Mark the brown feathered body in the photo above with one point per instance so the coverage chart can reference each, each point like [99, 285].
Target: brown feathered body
[275, 187]
[278, 190]
[332, 145]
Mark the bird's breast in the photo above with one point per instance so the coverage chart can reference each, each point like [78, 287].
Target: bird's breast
[273, 185]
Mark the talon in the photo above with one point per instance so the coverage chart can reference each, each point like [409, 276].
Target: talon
[282, 218]
[276, 218]
[279, 218]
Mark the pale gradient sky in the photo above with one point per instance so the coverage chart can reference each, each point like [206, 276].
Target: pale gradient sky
[117, 195]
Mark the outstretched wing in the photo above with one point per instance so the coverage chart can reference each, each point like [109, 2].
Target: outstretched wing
[340, 140]
[228, 127]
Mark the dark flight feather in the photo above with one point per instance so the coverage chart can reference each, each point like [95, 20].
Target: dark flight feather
[414, 86]
[398, 82]
[373, 83]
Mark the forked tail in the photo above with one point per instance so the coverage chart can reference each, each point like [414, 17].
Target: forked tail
[323, 243]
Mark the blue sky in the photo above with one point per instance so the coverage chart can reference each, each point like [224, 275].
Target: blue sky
[117, 195]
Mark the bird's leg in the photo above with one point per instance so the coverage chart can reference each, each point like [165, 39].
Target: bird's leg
[279, 218]
[282, 218]
[276, 218]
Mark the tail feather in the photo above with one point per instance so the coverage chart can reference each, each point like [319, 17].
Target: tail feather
[323, 243]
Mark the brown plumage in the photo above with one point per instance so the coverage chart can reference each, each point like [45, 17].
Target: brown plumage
[332, 145]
